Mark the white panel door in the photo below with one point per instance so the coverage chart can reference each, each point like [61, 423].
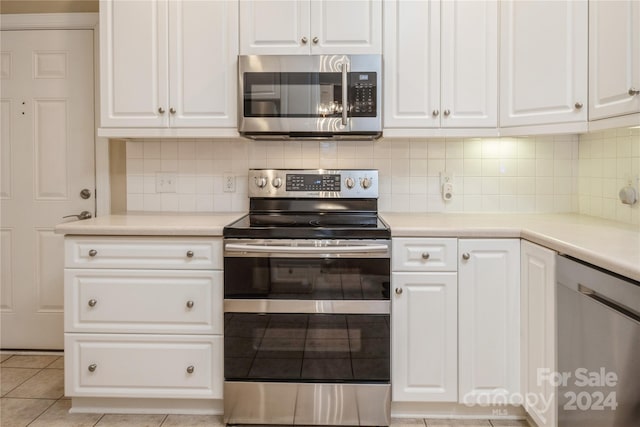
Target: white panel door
[543, 59]
[48, 144]
[274, 27]
[411, 64]
[203, 52]
[424, 337]
[614, 58]
[489, 318]
[538, 283]
[346, 27]
[469, 68]
[133, 56]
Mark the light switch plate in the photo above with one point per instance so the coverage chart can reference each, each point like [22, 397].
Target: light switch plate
[166, 182]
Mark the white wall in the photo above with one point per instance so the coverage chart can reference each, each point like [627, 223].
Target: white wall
[491, 175]
[607, 161]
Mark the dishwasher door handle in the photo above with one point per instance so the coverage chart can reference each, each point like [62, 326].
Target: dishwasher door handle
[623, 310]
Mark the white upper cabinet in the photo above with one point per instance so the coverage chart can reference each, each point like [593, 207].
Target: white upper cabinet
[168, 63]
[614, 58]
[543, 59]
[294, 27]
[441, 60]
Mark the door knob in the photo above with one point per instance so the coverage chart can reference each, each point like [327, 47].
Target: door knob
[304, 40]
[633, 91]
[466, 256]
[315, 40]
[82, 215]
[85, 193]
[579, 105]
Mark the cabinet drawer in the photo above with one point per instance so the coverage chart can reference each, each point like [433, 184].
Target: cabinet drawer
[108, 365]
[416, 254]
[143, 252]
[132, 301]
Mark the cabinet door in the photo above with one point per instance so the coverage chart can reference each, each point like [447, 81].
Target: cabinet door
[489, 316]
[412, 64]
[469, 69]
[614, 58]
[537, 288]
[203, 51]
[274, 27]
[133, 64]
[543, 62]
[346, 27]
[424, 331]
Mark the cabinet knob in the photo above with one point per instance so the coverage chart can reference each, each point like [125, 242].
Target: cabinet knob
[93, 253]
[161, 110]
[190, 369]
[304, 40]
[633, 91]
[398, 291]
[446, 113]
[172, 110]
[189, 304]
[435, 113]
[466, 256]
[92, 367]
[92, 302]
[578, 105]
[425, 255]
[189, 254]
[315, 40]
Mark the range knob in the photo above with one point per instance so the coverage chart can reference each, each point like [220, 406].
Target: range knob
[277, 182]
[261, 182]
[349, 182]
[366, 183]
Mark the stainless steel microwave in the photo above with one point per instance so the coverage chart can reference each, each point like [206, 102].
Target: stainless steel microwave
[316, 96]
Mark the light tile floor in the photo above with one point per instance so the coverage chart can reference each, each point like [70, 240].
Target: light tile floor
[32, 394]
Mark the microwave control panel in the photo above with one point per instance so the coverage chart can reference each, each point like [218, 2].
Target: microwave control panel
[363, 94]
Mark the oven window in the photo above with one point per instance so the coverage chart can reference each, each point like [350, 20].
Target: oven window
[306, 347]
[306, 278]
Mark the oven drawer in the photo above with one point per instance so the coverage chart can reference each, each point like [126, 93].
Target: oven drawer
[417, 254]
[143, 301]
[167, 366]
[143, 252]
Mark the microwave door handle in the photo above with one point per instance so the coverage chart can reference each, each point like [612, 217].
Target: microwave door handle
[345, 94]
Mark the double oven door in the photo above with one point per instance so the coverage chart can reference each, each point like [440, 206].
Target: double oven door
[307, 319]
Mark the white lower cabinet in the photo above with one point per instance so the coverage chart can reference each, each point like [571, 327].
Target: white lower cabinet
[538, 282]
[136, 330]
[424, 320]
[121, 365]
[488, 319]
[455, 320]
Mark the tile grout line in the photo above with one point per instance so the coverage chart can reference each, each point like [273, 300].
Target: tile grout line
[39, 415]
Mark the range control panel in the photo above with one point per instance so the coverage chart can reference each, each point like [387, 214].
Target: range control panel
[313, 183]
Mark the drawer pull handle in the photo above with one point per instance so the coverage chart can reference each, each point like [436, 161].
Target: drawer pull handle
[189, 304]
[190, 369]
[92, 302]
[466, 256]
[398, 291]
[425, 255]
[189, 254]
[92, 367]
[93, 253]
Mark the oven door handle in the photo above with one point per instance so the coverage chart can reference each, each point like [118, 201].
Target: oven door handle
[247, 247]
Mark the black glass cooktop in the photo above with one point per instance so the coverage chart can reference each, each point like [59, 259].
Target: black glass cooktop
[308, 226]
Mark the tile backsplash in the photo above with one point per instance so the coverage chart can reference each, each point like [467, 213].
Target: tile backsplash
[534, 174]
[608, 161]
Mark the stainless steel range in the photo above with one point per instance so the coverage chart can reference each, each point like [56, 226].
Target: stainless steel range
[306, 288]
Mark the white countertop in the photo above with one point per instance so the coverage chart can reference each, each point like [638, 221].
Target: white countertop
[611, 245]
[607, 244]
[152, 224]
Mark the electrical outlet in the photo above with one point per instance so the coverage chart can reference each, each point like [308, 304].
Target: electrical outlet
[166, 182]
[229, 183]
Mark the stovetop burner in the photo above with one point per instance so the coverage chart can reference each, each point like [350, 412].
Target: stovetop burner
[311, 204]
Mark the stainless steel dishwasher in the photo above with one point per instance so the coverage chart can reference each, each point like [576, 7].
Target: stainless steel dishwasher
[598, 342]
